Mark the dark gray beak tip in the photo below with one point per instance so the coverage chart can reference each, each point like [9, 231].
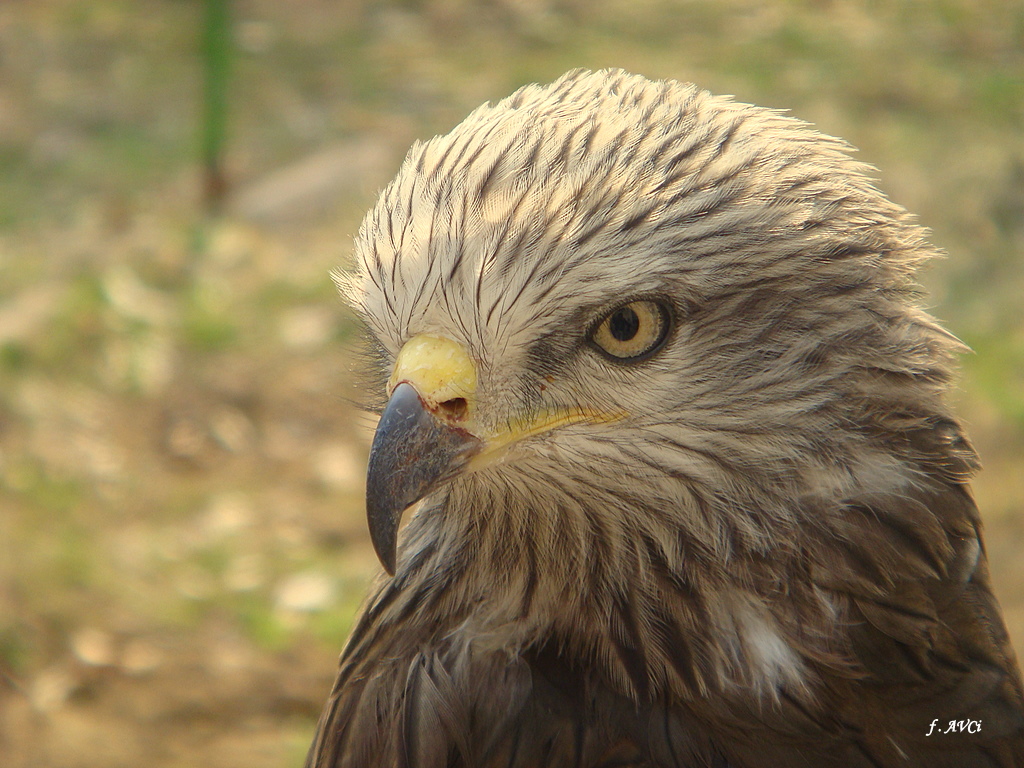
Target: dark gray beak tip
[413, 452]
[383, 524]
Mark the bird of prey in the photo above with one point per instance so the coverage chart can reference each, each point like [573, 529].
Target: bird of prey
[672, 431]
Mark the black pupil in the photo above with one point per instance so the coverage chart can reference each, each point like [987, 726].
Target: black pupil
[624, 324]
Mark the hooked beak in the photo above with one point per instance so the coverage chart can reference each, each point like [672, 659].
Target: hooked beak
[430, 432]
[413, 452]
[422, 438]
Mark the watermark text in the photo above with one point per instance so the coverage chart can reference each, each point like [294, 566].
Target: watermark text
[954, 726]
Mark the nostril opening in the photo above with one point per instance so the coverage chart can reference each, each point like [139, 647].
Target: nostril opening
[455, 409]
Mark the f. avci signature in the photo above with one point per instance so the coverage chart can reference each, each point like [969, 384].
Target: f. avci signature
[955, 726]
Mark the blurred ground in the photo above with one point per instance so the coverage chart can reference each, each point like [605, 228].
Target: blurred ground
[182, 546]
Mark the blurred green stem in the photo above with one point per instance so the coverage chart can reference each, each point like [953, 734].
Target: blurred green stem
[216, 60]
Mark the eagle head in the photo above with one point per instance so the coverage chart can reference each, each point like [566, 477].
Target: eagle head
[655, 374]
[671, 430]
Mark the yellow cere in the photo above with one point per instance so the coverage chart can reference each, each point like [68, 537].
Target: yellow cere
[440, 369]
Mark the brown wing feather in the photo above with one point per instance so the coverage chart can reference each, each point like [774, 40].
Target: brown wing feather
[908, 574]
[924, 628]
[455, 705]
[927, 632]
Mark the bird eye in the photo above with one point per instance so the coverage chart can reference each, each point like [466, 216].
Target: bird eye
[633, 331]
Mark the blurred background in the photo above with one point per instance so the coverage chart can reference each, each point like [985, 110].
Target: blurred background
[182, 544]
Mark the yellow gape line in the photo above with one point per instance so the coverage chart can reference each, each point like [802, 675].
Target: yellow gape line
[441, 370]
[540, 422]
